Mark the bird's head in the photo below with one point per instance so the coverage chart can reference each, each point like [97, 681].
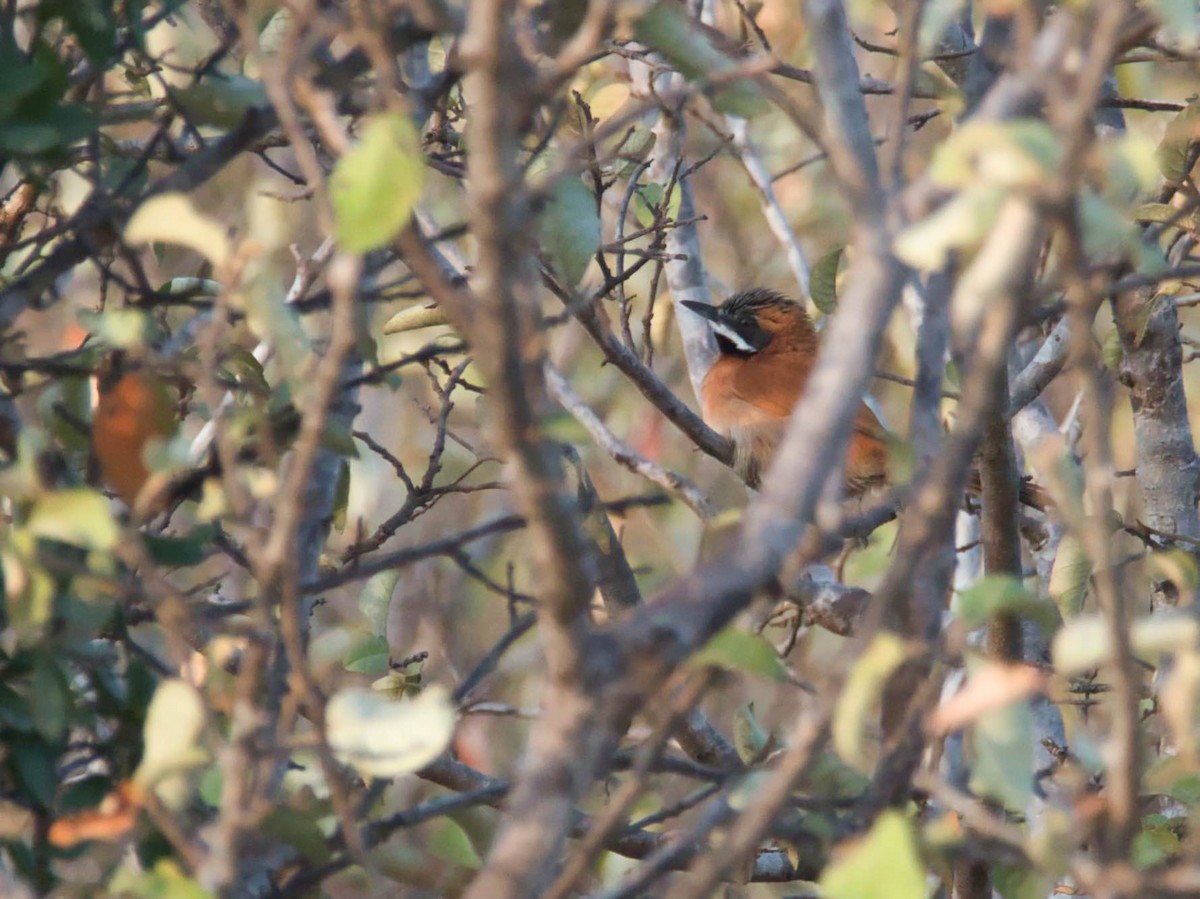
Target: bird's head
[753, 320]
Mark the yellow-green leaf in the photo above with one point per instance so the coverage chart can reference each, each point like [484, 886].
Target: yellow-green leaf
[1013, 882]
[741, 651]
[122, 329]
[171, 733]
[749, 738]
[78, 516]
[1069, 576]
[371, 656]
[450, 843]
[1003, 594]
[376, 184]
[863, 689]
[1173, 148]
[666, 28]
[221, 99]
[414, 318]
[884, 864]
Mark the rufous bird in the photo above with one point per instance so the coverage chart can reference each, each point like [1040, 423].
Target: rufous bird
[133, 407]
[767, 347]
[136, 406]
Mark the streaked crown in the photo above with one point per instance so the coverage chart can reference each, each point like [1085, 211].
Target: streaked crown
[748, 321]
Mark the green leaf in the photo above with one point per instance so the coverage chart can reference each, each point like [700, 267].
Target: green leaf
[52, 132]
[1112, 351]
[647, 199]
[15, 711]
[122, 329]
[93, 24]
[823, 282]
[738, 650]
[51, 697]
[1070, 576]
[78, 516]
[1173, 776]
[29, 592]
[375, 600]
[221, 99]
[34, 762]
[298, 830]
[372, 656]
[450, 843]
[386, 738]
[83, 794]
[832, 777]
[666, 28]
[1156, 842]
[19, 80]
[341, 497]
[1002, 767]
[376, 184]
[863, 689]
[1173, 148]
[338, 439]
[171, 734]
[239, 364]
[191, 549]
[1004, 594]
[884, 864]
[569, 229]
[63, 405]
[749, 737]
[1020, 882]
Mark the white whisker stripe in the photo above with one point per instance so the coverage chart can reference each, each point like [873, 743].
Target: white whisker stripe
[738, 340]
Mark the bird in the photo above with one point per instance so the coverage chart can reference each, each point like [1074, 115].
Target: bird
[766, 350]
[132, 408]
[135, 406]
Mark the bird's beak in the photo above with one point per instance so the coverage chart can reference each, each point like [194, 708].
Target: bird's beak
[704, 310]
[744, 338]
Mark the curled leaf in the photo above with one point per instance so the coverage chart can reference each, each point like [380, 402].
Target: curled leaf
[171, 218]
